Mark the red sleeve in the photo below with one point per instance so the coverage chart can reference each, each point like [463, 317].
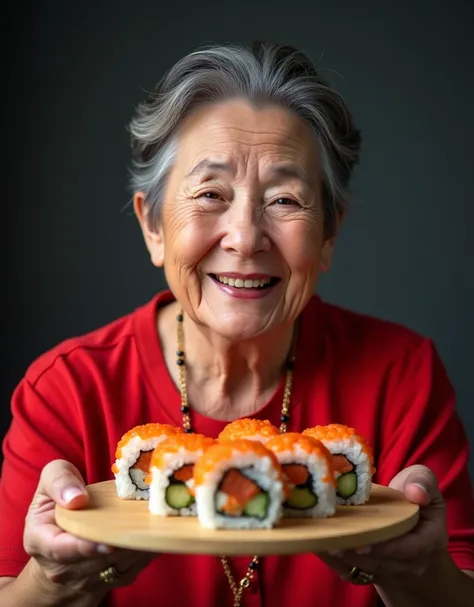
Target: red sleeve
[40, 432]
[420, 426]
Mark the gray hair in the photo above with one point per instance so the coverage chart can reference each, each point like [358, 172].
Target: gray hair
[261, 73]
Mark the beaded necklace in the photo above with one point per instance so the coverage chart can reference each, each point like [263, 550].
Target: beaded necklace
[237, 588]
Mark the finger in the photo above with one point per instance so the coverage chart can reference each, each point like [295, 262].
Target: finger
[418, 483]
[125, 560]
[414, 546]
[51, 543]
[138, 566]
[416, 494]
[85, 575]
[344, 564]
[381, 570]
[62, 482]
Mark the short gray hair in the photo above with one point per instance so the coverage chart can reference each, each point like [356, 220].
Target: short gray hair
[260, 73]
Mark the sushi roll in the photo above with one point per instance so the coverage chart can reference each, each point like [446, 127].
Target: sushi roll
[308, 470]
[352, 461]
[171, 474]
[251, 429]
[132, 458]
[239, 485]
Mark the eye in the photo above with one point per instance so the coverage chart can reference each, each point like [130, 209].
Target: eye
[285, 201]
[210, 195]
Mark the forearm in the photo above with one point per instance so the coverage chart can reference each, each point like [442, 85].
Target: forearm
[444, 585]
[32, 589]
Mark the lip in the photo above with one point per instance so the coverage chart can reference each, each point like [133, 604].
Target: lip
[240, 293]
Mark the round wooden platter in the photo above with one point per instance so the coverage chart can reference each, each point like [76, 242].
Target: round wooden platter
[129, 524]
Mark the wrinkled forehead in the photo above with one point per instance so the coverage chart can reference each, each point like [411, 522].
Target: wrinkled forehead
[235, 137]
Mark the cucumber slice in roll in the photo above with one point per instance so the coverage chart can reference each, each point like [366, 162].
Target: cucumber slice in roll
[258, 506]
[301, 499]
[177, 496]
[347, 485]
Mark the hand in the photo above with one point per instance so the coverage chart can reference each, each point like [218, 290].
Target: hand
[404, 560]
[66, 563]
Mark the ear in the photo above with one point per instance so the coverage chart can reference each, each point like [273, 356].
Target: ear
[327, 253]
[329, 245]
[153, 237]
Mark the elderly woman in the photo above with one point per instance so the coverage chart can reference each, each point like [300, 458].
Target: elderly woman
[242, 160]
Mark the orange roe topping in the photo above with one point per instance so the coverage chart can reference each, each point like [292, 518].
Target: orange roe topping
[334, 432]
[248, 428]
[226, 450]
[286, 442]
[145, 432]
[190, 442]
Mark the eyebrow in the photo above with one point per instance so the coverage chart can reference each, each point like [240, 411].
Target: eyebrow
[209, 165]
[290, 170]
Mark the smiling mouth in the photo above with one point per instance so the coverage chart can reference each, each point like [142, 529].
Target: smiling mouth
[246, 283]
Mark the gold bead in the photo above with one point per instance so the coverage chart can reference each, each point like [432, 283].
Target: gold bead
[245, 582]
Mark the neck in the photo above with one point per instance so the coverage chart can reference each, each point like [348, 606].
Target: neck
[230, 379]
[258, 362]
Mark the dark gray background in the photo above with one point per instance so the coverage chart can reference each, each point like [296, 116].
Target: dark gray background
[73, 74]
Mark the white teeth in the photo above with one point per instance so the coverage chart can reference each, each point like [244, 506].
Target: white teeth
[239, 283]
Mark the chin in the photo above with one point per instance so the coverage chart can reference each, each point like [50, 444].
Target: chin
[240, 327]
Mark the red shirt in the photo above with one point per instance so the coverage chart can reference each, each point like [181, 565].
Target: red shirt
[77, 400]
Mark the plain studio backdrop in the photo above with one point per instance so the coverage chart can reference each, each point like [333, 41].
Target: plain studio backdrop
[73, 72]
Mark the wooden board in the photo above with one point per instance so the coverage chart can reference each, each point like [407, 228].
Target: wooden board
[129, 524]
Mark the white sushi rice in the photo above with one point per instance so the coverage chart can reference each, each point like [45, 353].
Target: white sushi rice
[260, 438]
[352, 449]
[259, 469]
[126, 489]
[318, 469]
[160, 480]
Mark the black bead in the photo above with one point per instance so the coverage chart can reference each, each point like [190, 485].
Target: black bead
[284, 418]
[180, 362]
[290, 364]
[188, 430]
[184, 409]
[253, 565]
[180, 353]
[179, 318]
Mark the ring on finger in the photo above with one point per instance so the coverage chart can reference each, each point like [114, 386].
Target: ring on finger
[360, 578]
[109, 575]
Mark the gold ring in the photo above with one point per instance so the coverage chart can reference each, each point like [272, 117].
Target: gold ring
[109, 575]
[360, 578]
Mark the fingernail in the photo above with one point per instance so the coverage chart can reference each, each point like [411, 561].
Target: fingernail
[103, 549]
[70, 493]
[364, 550]
[421, 487]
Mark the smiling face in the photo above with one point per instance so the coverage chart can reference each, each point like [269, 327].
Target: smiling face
[241, 235]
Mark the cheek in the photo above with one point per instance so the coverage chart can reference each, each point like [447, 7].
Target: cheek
[301, 244]
[186, 238]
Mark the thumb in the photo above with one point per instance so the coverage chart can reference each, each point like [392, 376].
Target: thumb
[62, 482]
[418, 484]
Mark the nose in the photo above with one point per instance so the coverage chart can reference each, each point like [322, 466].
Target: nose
[245, 230]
